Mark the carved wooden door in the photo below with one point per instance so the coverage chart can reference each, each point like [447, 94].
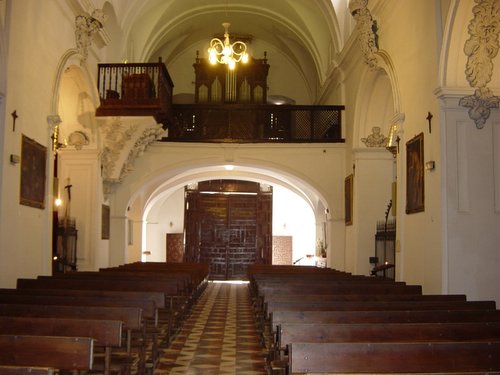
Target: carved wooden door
[228, 230]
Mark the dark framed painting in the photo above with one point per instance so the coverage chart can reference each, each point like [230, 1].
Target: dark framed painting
[105, 223]
[348, 199]
[415, 192]
[33, 166]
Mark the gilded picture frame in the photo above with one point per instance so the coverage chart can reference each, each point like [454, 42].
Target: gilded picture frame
[415, 187]
[33, 173]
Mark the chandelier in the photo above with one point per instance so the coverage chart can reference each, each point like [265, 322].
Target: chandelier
[223, 52]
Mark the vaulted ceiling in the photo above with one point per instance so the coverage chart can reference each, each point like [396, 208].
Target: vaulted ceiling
[303, 36]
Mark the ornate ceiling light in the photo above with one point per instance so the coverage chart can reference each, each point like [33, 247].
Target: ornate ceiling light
[223, 52]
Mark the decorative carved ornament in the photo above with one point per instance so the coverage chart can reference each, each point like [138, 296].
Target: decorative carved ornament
[86, 26]
[481, 48]
[78, 139]
[366, 27]
[375, 139]
[123, 144]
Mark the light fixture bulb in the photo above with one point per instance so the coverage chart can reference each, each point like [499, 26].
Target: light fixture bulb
[223, 52]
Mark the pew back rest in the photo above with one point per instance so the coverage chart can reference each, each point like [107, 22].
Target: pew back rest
[23, 370]
[447, 357]
[105, 332]
[130, 316]
[63, 353]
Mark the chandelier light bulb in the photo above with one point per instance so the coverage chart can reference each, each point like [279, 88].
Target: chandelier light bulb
[223, 52]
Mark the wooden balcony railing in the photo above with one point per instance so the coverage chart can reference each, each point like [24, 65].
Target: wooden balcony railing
[255, 123]
[135, 90]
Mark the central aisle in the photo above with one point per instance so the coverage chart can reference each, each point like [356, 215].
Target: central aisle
[219, 338]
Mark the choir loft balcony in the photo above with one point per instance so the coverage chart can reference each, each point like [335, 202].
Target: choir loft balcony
[135, 90]
[255, 123]
[230, 107]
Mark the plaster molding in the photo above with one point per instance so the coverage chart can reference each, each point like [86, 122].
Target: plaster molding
[123, 144]
[375, 139]
[53, 121]
[481, 48]
[366, 28]
[115, 136]
[148, 136]
[78, 139]
[85, 27]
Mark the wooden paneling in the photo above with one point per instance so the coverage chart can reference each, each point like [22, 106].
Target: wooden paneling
[228, 231]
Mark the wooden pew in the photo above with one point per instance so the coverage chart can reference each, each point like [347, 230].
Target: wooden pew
[421, 357]
[23, 370]
[375, 317]
[63, 353]
[197, 272]
[149, 332]
[130, 316]
[386, 332]
[106, 333]
[259, 303]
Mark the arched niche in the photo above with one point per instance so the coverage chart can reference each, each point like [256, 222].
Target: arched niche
[375, 106]
[76, 108]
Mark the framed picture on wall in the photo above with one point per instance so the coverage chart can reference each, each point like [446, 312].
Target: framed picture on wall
[33, 160]
[105, 222]
[415, 174]
[348, 199]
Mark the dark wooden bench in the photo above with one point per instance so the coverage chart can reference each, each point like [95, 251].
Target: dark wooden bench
[130, 316]
[422, 357]
[260, 302]
[343, 288]
[379, 305]
[23, 370]
[299, 306]
[374, 317]
[106, 333]
[386, 332]
[63, 353]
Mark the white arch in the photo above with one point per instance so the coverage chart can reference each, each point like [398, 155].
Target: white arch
[151, 188]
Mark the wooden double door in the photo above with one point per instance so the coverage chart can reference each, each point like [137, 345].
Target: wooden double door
[228, 225]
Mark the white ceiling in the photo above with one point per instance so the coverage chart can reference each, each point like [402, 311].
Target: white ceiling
[305, 32]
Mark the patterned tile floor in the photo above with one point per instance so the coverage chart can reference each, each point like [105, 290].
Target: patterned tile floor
[219, 337]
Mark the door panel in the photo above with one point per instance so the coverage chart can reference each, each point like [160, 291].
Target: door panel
[225, 230]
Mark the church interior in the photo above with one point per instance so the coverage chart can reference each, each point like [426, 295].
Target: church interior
[240, 147]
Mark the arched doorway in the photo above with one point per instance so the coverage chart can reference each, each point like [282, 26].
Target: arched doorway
[292, 229]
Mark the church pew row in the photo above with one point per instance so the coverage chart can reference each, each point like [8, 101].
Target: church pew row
[130, 357]
[26, 370]
[149, 330]
[384, 332]
[171, 308]
[74, 293]
[175, 285]
[57, 352]
[409, 357]
[106, 333]
[198, 272]
[352, 309]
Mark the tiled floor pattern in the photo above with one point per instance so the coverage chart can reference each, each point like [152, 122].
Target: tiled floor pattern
[219, 337]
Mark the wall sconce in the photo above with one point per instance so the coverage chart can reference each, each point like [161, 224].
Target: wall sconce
[14, 159]
[430, 165]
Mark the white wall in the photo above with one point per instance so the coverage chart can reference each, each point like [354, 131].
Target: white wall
[472, 206]
[292, 216]
[178, 164]
[25, 232]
